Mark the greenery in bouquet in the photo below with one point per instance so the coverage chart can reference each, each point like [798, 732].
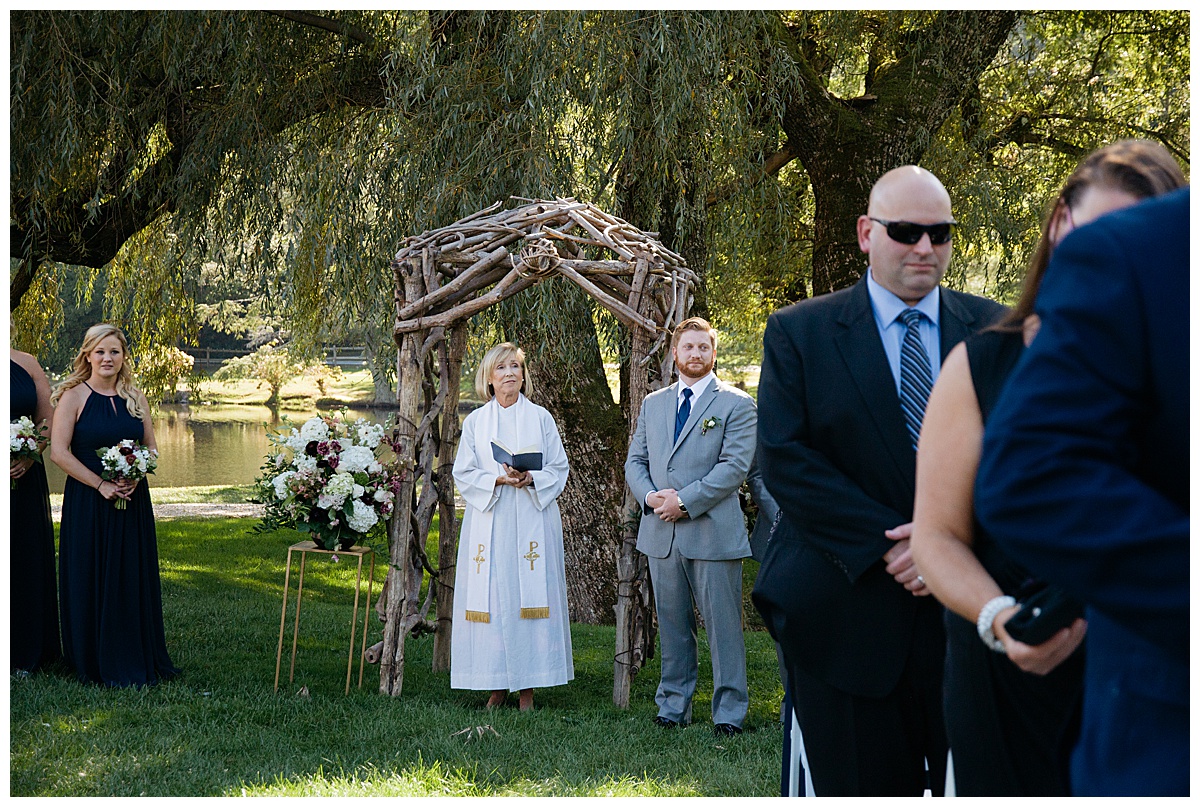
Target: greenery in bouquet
[128, 460]
[333, 479]
[25, 441]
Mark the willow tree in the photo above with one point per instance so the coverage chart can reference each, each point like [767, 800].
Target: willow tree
[1000, 105]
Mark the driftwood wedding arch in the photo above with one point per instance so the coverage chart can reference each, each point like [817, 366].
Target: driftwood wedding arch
[444, 277]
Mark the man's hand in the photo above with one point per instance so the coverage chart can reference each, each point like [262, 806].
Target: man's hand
[900, 561]
[667, 504]
[656, 498]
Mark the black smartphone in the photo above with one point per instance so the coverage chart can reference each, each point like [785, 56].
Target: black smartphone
[1045, 610]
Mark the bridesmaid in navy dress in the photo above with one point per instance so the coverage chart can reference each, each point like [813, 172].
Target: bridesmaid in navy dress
[33, 596]
[112, 626]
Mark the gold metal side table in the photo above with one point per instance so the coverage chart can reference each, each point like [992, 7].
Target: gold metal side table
[304, 548]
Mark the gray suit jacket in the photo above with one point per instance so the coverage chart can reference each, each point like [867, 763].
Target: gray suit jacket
[706, 467]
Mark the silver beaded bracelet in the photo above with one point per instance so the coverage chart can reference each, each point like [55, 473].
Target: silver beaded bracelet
[987, 615]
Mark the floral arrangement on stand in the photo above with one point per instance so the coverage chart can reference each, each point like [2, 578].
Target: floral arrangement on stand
[331, 479]
[128, 460]
[25, 441]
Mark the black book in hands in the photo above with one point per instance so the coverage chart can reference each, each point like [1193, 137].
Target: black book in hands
[524, 460]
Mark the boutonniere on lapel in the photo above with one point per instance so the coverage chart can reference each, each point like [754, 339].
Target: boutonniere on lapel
[709, 423]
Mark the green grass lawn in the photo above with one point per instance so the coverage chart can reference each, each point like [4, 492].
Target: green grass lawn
[220, 730]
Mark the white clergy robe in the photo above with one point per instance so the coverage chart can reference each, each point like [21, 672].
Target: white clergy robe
[508, 651]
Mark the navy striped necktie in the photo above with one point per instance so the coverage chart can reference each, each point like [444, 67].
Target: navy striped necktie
[916, 374]
[685, 409]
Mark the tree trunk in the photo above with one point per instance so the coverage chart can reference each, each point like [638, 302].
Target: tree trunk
[380, 355]
[451, 352]
[400, 528]
[846, 146]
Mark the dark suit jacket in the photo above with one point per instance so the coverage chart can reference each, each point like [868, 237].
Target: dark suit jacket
[1084, 479]
[837, 458]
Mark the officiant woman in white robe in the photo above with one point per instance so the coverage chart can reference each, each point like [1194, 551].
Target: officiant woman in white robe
[511, 632]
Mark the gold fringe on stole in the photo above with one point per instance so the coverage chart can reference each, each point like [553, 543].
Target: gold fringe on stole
[535, 613]
[478, 616]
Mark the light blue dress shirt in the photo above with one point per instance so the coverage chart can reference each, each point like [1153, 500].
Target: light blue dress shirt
[887, 308]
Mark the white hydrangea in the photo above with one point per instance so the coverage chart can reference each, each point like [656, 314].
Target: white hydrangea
[355, 458]
[280, 482]
[305, 464]
[361, 518]
[369, 434]
[374, 467]
[314, 429]
[295, 442]
[336, 490]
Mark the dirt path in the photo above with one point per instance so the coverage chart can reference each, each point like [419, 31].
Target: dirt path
[213, 510]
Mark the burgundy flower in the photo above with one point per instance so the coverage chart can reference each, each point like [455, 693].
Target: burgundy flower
[333, 461]
[311, 448]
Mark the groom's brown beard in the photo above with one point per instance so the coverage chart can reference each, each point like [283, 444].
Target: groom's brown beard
[705, 368]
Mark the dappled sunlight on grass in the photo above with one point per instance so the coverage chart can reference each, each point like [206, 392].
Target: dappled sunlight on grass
[421, 779]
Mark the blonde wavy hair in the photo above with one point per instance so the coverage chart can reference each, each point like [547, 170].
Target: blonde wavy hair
[81, 371]
[483, 376]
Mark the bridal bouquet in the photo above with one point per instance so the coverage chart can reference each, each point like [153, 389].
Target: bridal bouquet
[25, 441]
[329, 478]
[128, 460]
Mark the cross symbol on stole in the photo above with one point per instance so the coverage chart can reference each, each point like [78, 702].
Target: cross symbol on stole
[479, 558]
[531, 556]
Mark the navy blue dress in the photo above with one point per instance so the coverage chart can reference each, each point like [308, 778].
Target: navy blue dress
[1010, 731]
[112, 625]
[33, 597]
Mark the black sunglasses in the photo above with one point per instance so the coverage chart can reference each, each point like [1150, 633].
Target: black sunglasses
[906, 232]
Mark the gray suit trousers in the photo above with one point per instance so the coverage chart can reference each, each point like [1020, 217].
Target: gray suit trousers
[716, 587]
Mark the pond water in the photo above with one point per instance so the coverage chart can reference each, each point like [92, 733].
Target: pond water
[213, 445]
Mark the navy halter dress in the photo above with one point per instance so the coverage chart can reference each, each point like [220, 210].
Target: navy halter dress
[33, 598]
[112, 625]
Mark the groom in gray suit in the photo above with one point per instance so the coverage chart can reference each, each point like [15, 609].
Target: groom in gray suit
[689, 455]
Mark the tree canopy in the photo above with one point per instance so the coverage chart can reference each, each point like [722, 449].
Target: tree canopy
[295, 150]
